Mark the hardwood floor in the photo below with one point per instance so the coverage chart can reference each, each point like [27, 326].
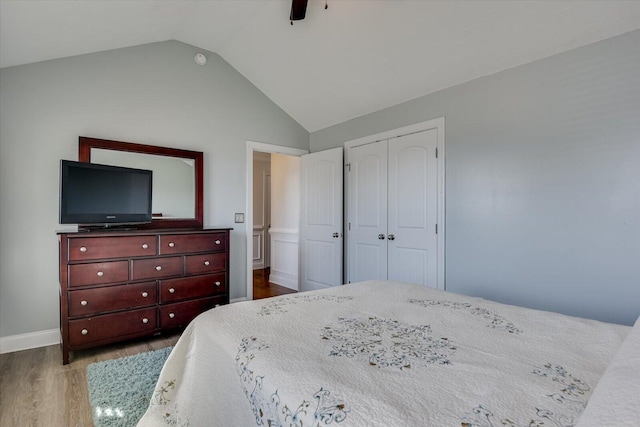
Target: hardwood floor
[262, 288]
[37, 390]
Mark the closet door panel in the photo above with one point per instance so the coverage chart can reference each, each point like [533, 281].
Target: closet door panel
[368, 212]
[368, 263]
[412, 208]
[408, 265]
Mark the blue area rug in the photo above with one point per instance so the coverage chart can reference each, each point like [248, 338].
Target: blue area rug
[120, 389]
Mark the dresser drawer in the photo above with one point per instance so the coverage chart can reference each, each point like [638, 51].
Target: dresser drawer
[156, 267]
[98, 273]
[185, 243]
[209, 263]
[88, 248]
[180, 314]
[83, 302]
[192, 287]
[108, 326]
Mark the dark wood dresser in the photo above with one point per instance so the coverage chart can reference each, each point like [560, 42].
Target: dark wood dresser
[115, 286]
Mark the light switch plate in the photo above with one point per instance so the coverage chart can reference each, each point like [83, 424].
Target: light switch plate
[239, 217]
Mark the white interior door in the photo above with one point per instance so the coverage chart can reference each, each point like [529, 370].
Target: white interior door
[368, 212]
[413, 208]
[321, 217]
[393, 209]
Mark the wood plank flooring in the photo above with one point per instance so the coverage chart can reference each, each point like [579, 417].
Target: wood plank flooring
[37, 390]
[262, 288]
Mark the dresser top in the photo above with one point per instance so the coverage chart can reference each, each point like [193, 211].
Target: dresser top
[116, 232]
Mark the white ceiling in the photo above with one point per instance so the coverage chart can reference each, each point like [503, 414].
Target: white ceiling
[356, 57]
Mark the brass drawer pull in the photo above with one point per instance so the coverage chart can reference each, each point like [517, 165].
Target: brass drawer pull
[84, 332]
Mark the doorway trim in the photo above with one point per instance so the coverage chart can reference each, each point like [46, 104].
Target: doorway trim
[265, 148]
[393, 133]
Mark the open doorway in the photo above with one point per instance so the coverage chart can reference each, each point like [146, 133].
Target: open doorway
[281, 237]
[283, 279]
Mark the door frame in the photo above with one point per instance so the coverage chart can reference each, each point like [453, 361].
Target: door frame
[437, 124]
[265, 148]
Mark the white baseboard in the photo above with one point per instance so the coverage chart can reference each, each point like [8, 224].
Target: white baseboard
[284, 279]
[238, 300]
[28, 341]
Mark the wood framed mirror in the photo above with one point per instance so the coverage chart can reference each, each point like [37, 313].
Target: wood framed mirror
[177, 181]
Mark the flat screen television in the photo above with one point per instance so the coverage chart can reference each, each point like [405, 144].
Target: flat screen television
[101, 195]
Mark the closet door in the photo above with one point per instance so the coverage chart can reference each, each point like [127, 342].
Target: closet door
[368, 212]
[412, 208]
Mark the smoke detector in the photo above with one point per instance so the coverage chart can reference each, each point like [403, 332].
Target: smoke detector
[200, 59]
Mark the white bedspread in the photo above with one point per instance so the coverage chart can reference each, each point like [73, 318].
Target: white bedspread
[381, 354]
[616, 399]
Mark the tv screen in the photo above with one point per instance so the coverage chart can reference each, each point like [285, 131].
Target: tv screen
[94, 194]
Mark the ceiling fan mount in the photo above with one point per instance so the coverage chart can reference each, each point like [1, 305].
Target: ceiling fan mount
[298, 10]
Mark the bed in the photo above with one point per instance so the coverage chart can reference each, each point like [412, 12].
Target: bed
[381, 353]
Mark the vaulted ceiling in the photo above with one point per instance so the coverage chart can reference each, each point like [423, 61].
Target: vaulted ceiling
[356, 57]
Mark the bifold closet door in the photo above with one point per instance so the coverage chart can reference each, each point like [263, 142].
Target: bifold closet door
[392, 202]
[368, 212]
[412, 208]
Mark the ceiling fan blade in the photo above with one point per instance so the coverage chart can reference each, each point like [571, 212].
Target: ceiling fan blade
[298, 9]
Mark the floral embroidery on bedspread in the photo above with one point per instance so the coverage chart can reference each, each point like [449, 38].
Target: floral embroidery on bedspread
[269, 410]
[278, 305]
[160, 398]
[571, 398]
[387, 343]
[160, 394]
[496, 321]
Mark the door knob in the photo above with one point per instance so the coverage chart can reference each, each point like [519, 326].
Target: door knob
[391, 237]
[336, 235]
[381, 236]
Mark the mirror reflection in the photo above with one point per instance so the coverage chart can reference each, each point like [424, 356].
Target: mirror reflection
[174, 183]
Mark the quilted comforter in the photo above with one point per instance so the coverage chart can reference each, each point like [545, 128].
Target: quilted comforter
[382, 353]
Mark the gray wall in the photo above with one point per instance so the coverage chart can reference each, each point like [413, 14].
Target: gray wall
[152, 94]
[542, 180]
